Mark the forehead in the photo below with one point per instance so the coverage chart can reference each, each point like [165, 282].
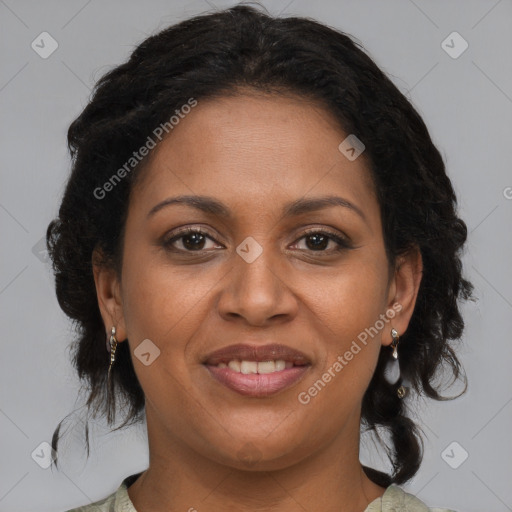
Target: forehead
[249, 147]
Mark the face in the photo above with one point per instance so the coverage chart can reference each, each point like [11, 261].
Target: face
[269, 266]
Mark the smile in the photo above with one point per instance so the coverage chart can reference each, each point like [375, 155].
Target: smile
[257, 379]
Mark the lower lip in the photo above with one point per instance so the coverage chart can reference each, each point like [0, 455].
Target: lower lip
[255, 384]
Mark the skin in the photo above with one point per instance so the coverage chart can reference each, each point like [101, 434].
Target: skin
[255, 153]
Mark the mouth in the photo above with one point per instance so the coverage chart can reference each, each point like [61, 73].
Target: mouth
[257, 371]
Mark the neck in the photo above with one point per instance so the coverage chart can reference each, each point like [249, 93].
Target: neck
[178, 478]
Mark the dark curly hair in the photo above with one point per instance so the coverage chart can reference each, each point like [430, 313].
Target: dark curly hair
[215, 55]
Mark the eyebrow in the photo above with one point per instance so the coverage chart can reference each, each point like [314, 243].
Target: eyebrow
[212, 206]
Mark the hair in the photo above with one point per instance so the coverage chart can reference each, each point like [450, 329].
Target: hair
[216, 55]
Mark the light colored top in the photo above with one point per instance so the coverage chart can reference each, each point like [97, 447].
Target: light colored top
[394, 499]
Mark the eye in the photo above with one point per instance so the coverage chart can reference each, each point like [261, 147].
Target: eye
[318, 241]
[195, 240]
[190, 239]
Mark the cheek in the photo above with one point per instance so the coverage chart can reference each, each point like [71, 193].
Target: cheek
[161, 306]
[167, 305]
[158, 298]
[347, 310]
[350, 299]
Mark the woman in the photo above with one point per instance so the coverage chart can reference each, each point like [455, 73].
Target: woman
[261, 229]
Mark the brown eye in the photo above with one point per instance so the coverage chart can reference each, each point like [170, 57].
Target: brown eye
[318, 241]
[191, 240]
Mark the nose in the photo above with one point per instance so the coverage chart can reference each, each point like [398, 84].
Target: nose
[257, 293]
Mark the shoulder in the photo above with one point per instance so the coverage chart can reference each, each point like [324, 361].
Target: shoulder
[105, 505]
[396, 499]
[118, 501]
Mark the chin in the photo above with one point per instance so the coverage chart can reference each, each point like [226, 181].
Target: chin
[262, 455]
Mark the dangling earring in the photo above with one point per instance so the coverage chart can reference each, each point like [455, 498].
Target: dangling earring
[394, 343]
[392, 371]
[111, 347]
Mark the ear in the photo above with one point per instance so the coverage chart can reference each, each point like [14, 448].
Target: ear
[403, 291]
[108, 292]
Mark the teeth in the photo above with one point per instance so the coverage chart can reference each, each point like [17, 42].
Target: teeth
[247, 367]
[252, 367]
[235, 366]
[280, 365]
[266, 367]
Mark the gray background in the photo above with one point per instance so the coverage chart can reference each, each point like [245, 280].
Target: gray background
[467, 105]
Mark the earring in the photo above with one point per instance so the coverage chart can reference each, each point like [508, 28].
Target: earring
[111, 347]
[394, 343]
[392, 371]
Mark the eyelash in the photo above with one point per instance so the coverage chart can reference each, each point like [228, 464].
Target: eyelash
[343, 243]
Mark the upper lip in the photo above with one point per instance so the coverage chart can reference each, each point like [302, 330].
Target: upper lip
[244, 352]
